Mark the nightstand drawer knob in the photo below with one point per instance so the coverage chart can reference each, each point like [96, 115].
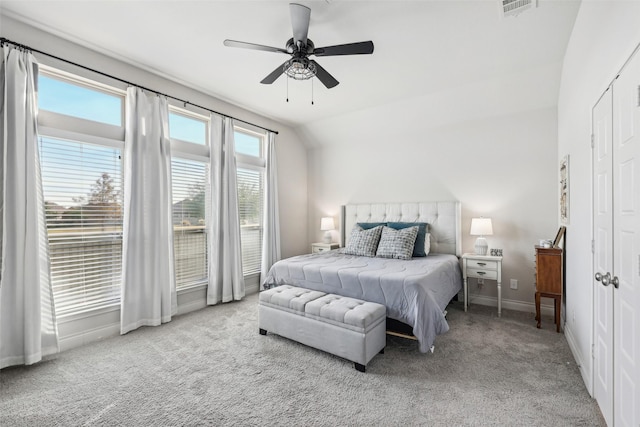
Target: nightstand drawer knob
[482, 263]
[482, 273]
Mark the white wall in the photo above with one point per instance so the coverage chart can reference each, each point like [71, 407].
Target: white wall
[604, 36]
[492, 146]
[291, 154]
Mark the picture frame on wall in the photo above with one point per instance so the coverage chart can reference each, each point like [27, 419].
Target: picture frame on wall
[564, 190]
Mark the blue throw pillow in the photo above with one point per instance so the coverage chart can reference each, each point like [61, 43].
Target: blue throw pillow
[368, 225]
[418, 248]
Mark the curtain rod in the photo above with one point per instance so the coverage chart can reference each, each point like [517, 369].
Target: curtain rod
[4, 41]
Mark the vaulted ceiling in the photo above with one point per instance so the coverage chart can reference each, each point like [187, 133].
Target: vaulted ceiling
[421, 47]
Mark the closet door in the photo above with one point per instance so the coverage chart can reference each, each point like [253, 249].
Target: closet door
[616, 214]
[603, 254]
[626, 245]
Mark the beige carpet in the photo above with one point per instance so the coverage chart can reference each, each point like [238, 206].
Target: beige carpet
[212, 367]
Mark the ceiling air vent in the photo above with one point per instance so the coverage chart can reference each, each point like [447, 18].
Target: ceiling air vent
[515, 7]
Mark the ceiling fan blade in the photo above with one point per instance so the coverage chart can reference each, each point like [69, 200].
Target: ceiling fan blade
[359, 48]
[245, 45]
[300, 16]
[327, 79]
[274, 75]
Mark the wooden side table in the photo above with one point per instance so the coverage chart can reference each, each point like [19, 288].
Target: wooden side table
[549, 280]
[482, 267]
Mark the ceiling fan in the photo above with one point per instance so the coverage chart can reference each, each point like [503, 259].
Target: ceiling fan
[300, 67]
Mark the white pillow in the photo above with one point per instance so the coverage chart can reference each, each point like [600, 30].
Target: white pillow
[427, 243]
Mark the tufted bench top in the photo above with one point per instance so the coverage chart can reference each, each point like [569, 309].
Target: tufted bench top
[289, 298]
[348, 312]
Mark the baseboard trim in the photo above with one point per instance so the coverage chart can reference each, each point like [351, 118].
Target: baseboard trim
[88, 336]
[192, 299]
[577, 355]
[185, 308]
[252, 289]
[509, 304]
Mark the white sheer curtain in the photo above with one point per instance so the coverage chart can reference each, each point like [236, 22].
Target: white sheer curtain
[271, 223]
[27, 317]
[226, 281]
[148, 274]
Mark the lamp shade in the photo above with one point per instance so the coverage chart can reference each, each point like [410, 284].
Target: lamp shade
[481, 227]
[326, 223]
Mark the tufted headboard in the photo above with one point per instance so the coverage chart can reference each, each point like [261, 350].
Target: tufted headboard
[444, 219]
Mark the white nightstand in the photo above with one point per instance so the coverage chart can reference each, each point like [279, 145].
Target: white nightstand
[482, 267]
[317, 248]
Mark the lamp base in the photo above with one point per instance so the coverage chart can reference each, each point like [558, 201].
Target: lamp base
[481, 246]
[327, 237]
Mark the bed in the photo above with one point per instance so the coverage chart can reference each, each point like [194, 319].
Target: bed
[415, 291]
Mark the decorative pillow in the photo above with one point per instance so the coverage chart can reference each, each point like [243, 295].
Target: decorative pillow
[368, 225]
[363, 242]
[427, 244]
[419, 247]
[397, 243]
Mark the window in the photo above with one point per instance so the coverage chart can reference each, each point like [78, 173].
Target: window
[82, 187]
[81, 139]
[59, 95]
[189, 170]
[189, 180]
[247, 143]
[81, 127]
[249, 148]
[186, 128]
[250, 208]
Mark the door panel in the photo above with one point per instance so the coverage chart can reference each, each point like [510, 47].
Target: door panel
[603, 254]
[626, 238]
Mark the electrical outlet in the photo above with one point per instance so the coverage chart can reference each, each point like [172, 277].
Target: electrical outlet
[514, 284]
[480, 282]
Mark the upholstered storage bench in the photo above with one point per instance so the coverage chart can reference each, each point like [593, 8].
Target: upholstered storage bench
[346, 327]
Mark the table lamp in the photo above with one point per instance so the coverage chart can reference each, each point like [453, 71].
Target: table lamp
[481, 227]
[326, 225]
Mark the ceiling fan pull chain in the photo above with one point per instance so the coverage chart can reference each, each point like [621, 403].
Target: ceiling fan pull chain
[311, 91]
[287, 90]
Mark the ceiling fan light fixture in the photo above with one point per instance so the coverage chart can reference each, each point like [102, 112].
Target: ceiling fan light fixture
[299, 69]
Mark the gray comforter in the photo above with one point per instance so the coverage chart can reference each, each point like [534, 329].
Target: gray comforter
[415, 291]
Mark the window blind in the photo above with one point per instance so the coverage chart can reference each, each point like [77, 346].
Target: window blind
[189, 190]
[82, 188]
[250, 197]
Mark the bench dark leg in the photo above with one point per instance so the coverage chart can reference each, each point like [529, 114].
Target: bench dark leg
[359, 367]
[263, 331]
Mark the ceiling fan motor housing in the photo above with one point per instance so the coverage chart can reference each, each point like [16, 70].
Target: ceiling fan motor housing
[301, 49]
